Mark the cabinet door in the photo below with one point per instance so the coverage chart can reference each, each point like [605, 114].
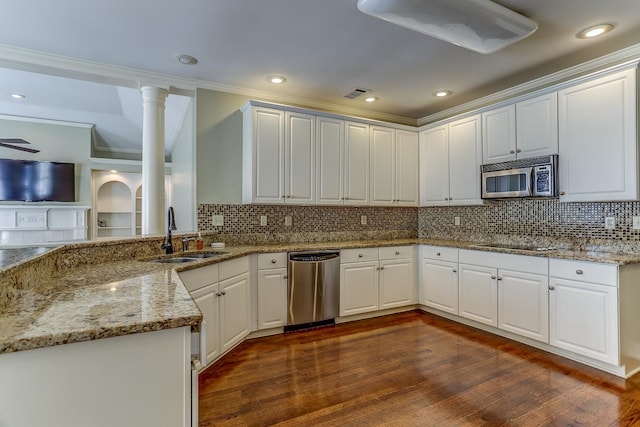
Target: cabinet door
[234, 310]
[268, 155]
[523, 305]
[434, 167]
[499, 135]
[207, 301]
[300, 166]
[358, 287]
[465, 157]
[407, 176]
[330, 161]
[537, 126]
[382, 166]
[397, 283]
[583, 318]
[440, 285]
[356, 170]
[478, 289]
[597, 139]
[272, 298]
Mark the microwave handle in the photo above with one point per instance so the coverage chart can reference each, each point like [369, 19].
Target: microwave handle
[530, 182]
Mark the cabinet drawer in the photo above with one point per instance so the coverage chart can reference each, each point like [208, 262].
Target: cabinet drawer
[272, 260]
[442, 253]
[593, 272]
[396, 252]
[357, 255]
[233, 267]
[199, 277]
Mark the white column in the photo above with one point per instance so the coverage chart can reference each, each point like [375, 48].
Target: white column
[153, 192]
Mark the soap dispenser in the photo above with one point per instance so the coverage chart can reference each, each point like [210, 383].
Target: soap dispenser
[199, 242]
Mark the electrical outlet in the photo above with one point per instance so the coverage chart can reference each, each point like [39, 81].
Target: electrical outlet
[363, 219]
[456, 220]
[610, 222]
[218, 220]
[288, 221]
[263, 220]
[636, 222]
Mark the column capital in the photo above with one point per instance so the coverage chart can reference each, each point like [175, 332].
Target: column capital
[154, 93]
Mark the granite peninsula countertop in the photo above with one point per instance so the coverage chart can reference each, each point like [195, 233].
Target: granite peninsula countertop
[111, 298]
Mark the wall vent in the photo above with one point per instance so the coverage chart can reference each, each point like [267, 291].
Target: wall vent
[356, 93]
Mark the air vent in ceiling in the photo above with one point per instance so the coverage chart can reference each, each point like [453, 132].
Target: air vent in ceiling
[356, 93]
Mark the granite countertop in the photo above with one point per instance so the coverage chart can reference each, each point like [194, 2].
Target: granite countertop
[105, 299]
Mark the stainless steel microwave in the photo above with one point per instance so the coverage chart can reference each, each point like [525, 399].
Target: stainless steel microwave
[534, 177]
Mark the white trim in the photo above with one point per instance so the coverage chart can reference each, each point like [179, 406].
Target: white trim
[124, 162]
[619, 59]
[46, 121]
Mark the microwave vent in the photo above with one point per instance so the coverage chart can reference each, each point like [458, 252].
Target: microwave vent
[356, 93]
[523, 163]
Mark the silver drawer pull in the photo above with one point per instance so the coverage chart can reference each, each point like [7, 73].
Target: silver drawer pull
[273, 261]
[512, 151]
[285, 277]
[360, 255]
[551, 287]
[499, 278]
[493, 277]
[438, 253]
[578, 271]
[397, 252]
[455, 271]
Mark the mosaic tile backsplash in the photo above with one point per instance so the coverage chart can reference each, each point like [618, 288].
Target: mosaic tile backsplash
[308, 223]
[545, 221]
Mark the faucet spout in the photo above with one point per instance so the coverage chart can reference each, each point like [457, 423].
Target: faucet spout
[167, 245]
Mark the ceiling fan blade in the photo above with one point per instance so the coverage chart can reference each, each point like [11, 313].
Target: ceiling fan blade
[28, 150]
[14, 141]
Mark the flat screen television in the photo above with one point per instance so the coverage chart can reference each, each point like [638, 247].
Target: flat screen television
[36, 181]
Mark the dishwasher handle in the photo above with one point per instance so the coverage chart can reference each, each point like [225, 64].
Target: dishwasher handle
[313, 257]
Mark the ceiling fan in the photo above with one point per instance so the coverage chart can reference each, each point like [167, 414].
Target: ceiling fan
[9, 143]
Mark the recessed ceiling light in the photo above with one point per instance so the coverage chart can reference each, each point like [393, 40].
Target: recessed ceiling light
[594, 31]
[371, 99]
[442, 93]
[276, 80]
[18, 96]
[187, 59]
[113, 171]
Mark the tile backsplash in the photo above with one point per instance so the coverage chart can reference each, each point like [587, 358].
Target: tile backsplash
[544, 220]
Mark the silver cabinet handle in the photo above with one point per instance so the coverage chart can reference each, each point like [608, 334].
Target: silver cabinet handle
[273, 261]
[512, 152]
[499, 278]
[562, 193]
[360, 255]
[551, 287]
[578, 271]
[218, 294]
[285, 277]
[224, 292]
[518, 150]
[455, 271]
[397, 252]
[493, 277]
[438, 253]
[382, 268]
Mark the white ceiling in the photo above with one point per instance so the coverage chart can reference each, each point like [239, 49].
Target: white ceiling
[325, 48]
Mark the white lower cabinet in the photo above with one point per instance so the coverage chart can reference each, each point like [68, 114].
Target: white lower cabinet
[221, 292]
[439, 278]
[272, 290]
[478, 289]
[374, 279]
[522, 304]
[584, 309]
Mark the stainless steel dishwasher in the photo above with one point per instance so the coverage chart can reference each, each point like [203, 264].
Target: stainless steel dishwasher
[314, 288]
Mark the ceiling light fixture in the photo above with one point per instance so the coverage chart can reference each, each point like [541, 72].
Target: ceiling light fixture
[187, 59]
[594, 31]
[113, 171]
[18, 96]
[442, 93]
[276, 80]
[371, 99]
[479, 25]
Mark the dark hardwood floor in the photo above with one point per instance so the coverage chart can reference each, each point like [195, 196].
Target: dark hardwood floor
[409, 369]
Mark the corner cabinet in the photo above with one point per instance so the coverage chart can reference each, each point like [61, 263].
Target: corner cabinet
[450, 159]
[598, 141]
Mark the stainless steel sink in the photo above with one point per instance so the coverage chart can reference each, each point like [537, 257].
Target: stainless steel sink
[201, 255]
[176, 260]
[188, 257]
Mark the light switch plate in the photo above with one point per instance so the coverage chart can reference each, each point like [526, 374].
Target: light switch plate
[263, 220]
[288, 221]
[217, 220]
[456, 220]
[363, 219]
[610, 222]
[636, 222]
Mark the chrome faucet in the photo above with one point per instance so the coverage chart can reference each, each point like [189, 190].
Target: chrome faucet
[185, 243]
[167, 244]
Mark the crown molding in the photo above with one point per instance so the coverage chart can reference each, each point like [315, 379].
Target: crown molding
[617, 59]
[46, 121]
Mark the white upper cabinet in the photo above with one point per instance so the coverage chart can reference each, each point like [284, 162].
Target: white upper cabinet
[597, 139]
[394, 167]
[300, 165]
[537, 126]
[329, 161]
[356, 171]
[434, 166]
[465, 157]
[523, 130]
[383, 165]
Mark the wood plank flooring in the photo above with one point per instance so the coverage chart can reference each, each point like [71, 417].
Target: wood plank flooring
[408, 369]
